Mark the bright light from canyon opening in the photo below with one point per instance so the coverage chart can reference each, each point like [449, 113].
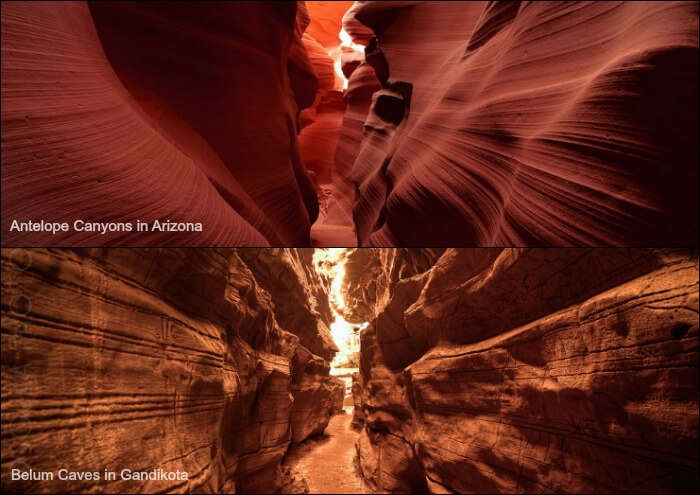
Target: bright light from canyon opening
[336, 54]
[331, 264]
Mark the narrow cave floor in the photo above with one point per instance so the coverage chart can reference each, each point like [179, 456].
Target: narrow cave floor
[326, 463]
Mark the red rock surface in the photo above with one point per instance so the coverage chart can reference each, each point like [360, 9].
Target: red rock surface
[323, 121]
[326, 20]
[527, 123]
[528, 370]
[177, 359]
[320, 123]
[464, 123]
[185, 111]
[335, 225]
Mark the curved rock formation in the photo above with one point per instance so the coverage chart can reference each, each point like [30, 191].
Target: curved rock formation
[172, 359]
[323, 121]
[185, 111]
[528, 370]
[463, 123]
[326, 21]
[335, 226]
[320, 124]
[528, 123]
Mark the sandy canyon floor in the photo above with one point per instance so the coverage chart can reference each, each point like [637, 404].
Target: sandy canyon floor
[327, 462]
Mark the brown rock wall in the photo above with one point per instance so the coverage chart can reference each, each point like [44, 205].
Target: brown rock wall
[157, 358]
[538, 371]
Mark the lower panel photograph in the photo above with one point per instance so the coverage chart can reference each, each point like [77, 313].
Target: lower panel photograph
[233, 370]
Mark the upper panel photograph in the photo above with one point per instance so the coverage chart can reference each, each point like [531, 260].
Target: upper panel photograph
[342, 124]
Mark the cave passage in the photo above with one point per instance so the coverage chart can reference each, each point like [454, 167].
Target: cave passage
[322, 124]
[327, 463]
[351, 370]
[330, 262]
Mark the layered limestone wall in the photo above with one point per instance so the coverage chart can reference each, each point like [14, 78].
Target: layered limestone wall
[538, 370]
[173, 359]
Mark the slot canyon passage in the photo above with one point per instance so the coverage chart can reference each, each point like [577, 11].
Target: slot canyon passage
[351, 370]
[402, 123]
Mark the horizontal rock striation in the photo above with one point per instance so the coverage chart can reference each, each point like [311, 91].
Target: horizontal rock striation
[173, 359]
[522, 123]
[528, 370]
[298, 294]
[179, 111]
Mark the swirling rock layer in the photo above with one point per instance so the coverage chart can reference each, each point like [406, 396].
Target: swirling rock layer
[528, 123]
[180, 111]
[321, 122]
[463, 123]
[158, 358]
[535, 370]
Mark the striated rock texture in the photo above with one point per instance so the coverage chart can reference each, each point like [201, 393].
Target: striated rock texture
[180, 111]
[522, 123]
[298, 293]
[376, 277]
[178, 359]
[528, 370]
